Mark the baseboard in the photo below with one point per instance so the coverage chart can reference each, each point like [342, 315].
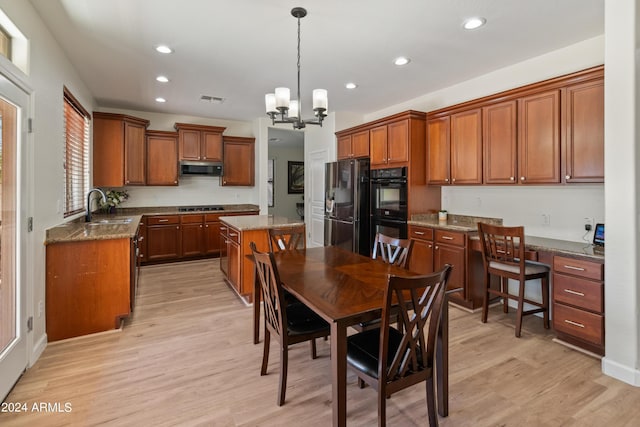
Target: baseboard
[575, 347]
[37, 350]
[621, 372]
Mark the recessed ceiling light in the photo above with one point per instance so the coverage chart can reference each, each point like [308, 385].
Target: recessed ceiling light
[164, 49]
[473, 23]
[351, 85]
[401, 60]
[162, 79]
[160, 99]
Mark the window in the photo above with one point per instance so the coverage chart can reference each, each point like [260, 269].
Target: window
[76, 154]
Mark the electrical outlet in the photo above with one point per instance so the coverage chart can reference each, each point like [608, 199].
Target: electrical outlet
[546, 219]
[588, 223]
[40, 308]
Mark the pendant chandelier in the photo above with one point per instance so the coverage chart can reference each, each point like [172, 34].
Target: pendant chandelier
[282, 109]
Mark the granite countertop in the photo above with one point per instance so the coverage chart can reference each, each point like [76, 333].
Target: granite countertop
[117, 227]
[78, 230]
[463, 223]
[259, 222]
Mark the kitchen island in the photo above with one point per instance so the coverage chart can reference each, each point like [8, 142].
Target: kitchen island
[236, 233]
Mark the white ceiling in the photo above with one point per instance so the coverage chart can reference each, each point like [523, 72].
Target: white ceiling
[240, 50]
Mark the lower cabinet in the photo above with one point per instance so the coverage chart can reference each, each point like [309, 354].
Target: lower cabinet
[212, 236]
[578, 302]
[450, 248]
[421, 260]
[192, 235]
[163, 237]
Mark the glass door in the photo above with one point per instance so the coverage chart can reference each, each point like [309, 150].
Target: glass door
[13, 350]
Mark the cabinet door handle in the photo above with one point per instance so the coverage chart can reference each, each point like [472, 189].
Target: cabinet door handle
[140, 238]
[200, 225]
[206, 226]
[571, 267]
[429, 246]
[177, 227]
[175, 182]
[446, 180]
[453, 180]
[437, 247]
[571, 322]
[569, 291]
[568, 177]
[163, 220]
[522, 178]
[447, 237]
[419, 233]
[233, 234]
[511, 178]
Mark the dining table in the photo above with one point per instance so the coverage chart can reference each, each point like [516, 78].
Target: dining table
[345, 289]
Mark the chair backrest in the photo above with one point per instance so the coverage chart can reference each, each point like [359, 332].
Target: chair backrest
[504, 245]
[272, 291]
[392, 250]
[419, 300]
[287, 238]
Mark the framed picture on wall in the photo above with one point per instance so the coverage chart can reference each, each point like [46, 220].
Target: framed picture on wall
[296, 177]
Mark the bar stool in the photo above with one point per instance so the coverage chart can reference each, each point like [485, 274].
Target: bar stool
[503, 255]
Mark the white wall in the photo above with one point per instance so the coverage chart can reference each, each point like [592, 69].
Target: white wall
[622, 161]
[49, 72]
[193, 190]
[284, 203]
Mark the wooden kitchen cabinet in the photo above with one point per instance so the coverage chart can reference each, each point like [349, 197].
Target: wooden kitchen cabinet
[192, 235]
[230, 256]
[142, 240]
[352, 146]
[450, 248]
[438, 150]
[239, 161]
[389, 144]
[499, 143]
[162, 158]
[163, 237]
[421, 260]
[578, 302]
[119, 150]
[199, 142]
[584, 159]
[88, 286]
[378, 146]
[539, 138]
[212, 234]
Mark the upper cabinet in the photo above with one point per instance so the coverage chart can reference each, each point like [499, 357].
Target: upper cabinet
[585, 132]
[352, 146]
[239, 161]
[119, 150]
[539, 138]
[389, 144]
[549, 132]
[162, 158]
[200, 143]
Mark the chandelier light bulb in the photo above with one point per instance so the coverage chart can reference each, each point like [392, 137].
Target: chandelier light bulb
[320, 99]
[283, 95]
[270, 101]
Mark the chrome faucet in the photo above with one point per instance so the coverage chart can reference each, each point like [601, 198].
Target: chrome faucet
[87, 217]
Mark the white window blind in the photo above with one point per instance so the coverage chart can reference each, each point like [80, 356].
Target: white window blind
[76, 154]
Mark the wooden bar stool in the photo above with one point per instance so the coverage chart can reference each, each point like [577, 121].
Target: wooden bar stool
[503, 255]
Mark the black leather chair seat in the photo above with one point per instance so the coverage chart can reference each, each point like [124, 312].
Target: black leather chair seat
[302, 320]
[363, 350]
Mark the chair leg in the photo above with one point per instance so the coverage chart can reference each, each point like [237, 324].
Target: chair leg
[545, 301]
[284, 362]
[265, 352]
[314, 354]
[504, 288]
[520, 309]
[382, 405]
[485, 302]
[431, 403]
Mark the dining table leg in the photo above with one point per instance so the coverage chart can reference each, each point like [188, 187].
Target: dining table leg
[442, 360]
[339, 373]
[256, 307]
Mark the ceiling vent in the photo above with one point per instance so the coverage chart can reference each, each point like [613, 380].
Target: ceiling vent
[212, 99]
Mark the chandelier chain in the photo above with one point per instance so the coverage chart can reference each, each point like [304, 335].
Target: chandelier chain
[299, 99]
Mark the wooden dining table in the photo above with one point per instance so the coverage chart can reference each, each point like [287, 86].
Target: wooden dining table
[345, 288]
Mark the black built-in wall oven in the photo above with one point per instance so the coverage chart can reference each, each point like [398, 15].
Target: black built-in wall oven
[389, 202]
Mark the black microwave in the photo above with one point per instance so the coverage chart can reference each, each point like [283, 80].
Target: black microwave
[200, 168]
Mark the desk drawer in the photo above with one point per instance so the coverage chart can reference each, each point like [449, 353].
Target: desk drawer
[578, 292]
[163, 219]
[581, 324]
[450, 238]
[422, 233]
[578, 267]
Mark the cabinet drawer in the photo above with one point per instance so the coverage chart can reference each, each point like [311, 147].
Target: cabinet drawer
[212, 217]
[450, 238]
[578, 292]
[163, 220]
[422, 233]
[192, 219]
[578, 267]
[233, 234]
[579, 323]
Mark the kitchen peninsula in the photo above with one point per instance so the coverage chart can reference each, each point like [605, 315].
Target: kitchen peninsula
[236, 233]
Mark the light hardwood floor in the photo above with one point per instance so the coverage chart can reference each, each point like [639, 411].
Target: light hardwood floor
[187, 358]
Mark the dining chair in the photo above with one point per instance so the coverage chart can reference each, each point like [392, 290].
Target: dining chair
[390, 250]
[503, 255]
[287, 238]
[289, 323]
[390, 359]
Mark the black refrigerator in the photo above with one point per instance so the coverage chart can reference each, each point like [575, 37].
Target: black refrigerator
[346, 213]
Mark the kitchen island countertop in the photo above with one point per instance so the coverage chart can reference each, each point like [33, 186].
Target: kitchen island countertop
[259, 222]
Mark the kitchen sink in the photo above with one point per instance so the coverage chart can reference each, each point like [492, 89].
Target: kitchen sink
[113, 221]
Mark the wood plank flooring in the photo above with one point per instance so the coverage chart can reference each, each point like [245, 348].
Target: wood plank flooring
[186, 358]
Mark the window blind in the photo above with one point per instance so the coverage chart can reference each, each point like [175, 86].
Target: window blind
[76, 155]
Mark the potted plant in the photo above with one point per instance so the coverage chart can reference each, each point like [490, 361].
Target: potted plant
[114, 198]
